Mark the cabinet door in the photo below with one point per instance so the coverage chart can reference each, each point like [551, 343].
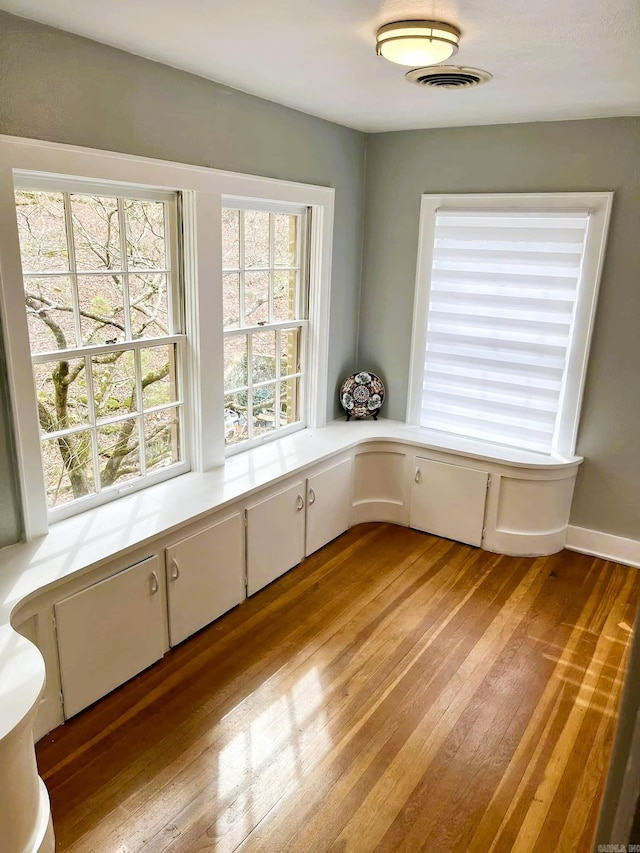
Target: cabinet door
[275, 536]
[448, 500]
[328, 505]
[205, 577]
[108, 633]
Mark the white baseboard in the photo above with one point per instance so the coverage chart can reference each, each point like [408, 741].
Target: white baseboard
[604, 545]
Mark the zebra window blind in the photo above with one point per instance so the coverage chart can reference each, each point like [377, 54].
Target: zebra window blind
[501, 308]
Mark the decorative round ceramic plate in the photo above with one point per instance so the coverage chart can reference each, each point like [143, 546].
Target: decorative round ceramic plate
[362, 395]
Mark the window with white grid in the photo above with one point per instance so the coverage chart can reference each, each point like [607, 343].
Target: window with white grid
[265, 321]
[508, 293]
[103, 302]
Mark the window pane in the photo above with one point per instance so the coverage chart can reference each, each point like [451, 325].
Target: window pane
[256, 298]
[230, 239]
[256, 238]
[236, 427]
[101, 304]
[231, 300]
[284, 296]
[161, 439]
[61, 389]
[146, 245]
[264, 411]
[289, 352]
[68, 468]
[114, 384]
[41, 227]
[49, 304]
[149, 306]
[285, 240]
[119, 452]
[96, 232]
[158, 376]
[289, 402]
[235, 362]
[263, 356]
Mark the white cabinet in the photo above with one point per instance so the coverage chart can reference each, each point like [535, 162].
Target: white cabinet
[380, 485]
[205, 576]
[109, 632]
[448, 500]
[275, 536]
[328, 505]
[528, 511]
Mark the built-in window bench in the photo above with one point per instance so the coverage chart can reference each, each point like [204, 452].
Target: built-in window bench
[130, 579]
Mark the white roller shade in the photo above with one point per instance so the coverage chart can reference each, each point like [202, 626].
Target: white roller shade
[501, 309]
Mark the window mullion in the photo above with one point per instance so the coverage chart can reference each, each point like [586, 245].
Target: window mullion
[93, 273]
[278, 374]
[272, 261]
[301, 370]
[78, 352]
[241, 276]
[125, 269]
[228, 270]
[250, 386]
[93, 421]
[268, 327]
[71, 250]
[137, 356]
[303, 276]
[174, 250]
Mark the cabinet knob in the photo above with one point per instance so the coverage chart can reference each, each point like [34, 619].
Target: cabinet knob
[418, 475]
[155, 586]
[311, 497]
[174, 574]
[300, 503]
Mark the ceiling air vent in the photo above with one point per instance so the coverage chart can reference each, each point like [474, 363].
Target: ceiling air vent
[448, 77]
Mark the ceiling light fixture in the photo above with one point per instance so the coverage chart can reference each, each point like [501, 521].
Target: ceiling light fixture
[417, 42]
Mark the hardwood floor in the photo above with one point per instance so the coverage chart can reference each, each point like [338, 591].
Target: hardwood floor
[396, 692]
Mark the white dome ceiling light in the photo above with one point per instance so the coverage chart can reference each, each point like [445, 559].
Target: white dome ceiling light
[417, 42]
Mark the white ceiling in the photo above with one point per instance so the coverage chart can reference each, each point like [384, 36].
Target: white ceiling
[550, 59]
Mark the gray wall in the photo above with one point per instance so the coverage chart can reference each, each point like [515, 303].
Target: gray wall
[602, 154]
[62, 88]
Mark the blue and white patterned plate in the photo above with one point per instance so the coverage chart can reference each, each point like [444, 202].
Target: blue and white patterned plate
[362, 395]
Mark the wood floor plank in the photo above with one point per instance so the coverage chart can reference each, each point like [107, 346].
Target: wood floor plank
[503, 817]
[217, 738]
[357, 660]
[395, 692]
[389, 794]
[363, 740]
[467, 773]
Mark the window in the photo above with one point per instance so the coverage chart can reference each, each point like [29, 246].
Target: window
[506, 292]
[111, 299]
[102, 296]
[265, 321]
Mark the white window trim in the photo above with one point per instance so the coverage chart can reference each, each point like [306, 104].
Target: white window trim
[599, 206]
[203, 191]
